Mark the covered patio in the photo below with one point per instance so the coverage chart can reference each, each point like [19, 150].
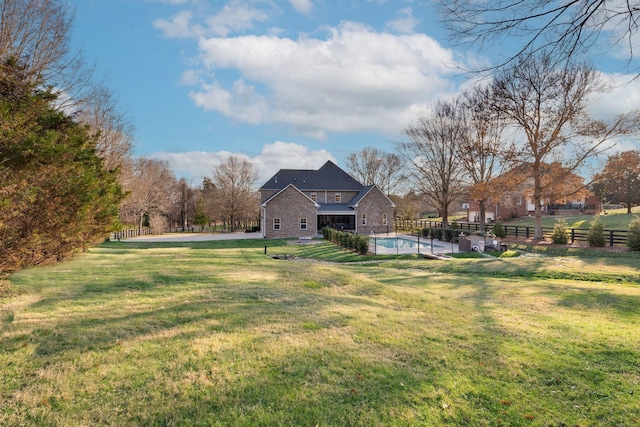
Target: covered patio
[336, 216]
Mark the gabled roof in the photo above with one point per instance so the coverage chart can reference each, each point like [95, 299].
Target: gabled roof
[281, 191]
[365, 190]
[328, 177]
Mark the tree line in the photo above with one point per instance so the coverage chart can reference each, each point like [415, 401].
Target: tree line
[157, 199]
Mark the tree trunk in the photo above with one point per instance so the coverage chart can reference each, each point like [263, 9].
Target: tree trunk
[483, 215]
[538, 213]
[445, 217]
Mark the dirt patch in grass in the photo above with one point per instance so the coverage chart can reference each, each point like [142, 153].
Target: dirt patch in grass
[6, 289]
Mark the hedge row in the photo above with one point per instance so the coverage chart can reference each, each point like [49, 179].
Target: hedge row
[347, 240]
[442, 234]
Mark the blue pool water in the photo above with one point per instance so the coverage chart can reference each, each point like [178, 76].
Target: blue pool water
[400, 243]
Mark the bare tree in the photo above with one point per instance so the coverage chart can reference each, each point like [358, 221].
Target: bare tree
[548, 104]
[432, 153]
[112, 131]
[234, 180]
[150, 184]
[36, 32]
[371, 166]
[209, 194]
[482, 147]
[184, 203]
[560, 28]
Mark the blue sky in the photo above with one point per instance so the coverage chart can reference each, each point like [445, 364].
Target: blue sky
[284, 83]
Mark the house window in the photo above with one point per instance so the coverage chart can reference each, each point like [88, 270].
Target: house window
[303, 223]
[276, 223]
[338, 198]
[519, 200]
[507, 200]
[384, 218]
[314, 197]
[364, 219]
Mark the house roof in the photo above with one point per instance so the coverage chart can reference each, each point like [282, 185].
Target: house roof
[328, 177]
[281, 191]
[335, 209]
[356, 199]
[365, 190]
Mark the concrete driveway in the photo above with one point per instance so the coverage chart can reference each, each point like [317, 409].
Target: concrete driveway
[193, 237]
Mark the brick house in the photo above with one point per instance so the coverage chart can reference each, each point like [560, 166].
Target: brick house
[300, 202]
[516, 198]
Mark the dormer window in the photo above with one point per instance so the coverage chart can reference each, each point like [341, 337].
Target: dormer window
[338, 198]
[314, 197]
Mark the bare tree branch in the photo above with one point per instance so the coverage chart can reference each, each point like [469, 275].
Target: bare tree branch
[561, 29]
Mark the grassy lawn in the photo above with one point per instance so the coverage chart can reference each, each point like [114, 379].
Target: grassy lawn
[218, 333]
[618, 221]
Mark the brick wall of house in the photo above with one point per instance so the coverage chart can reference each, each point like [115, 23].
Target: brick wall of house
[290, 206]
[375, 205]
[329, 197]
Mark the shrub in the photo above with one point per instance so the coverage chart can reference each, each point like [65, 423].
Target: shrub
[560, 235]
[347, 240]
[448, 234]
[499, 230]
[436, 233]
[633, 238]
[362, 245]
[326, 233]
[595, 236]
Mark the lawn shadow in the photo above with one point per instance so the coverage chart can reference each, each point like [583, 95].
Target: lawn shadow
[596, 300]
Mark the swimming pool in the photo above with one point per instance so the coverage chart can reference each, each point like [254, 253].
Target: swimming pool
[400, 243]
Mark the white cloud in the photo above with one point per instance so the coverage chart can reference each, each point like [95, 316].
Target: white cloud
[195, 165]
[354, 80]
[177, 27]
[623, 97]
[304, 7]
[405, 23]
[234, 17]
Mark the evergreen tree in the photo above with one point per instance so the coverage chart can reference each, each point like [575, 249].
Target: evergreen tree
[560, 235]
[595, 237]
[633, 238]
[55, 195]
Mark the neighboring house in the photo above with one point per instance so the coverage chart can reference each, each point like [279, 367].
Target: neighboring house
[566, 196]
[300, 202]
